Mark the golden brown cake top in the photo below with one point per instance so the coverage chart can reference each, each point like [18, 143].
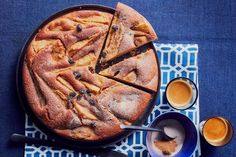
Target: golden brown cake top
[82, 105]
[62, 87]
[81, 34]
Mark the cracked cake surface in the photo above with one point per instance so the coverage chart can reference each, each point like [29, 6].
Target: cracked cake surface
[62, 86]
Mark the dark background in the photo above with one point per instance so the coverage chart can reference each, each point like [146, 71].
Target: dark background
[209, 23]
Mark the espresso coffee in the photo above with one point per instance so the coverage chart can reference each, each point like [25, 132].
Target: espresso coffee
[217, 131]
[179, 93]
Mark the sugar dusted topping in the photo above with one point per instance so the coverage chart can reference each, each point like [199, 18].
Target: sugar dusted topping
[62, 86]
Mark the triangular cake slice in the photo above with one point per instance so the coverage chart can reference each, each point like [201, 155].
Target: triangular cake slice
[128, 31]
[140, 70]
[81, 32]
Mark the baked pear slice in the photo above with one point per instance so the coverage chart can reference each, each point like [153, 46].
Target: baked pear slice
[82, 33]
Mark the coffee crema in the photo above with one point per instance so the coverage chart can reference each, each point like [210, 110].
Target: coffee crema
[179, 93]
[215, 129]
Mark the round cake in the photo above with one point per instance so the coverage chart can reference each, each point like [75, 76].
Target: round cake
[88, 71]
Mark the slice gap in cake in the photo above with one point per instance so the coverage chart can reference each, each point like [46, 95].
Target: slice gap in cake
[128, 30]
[124, 101]
[139, 71]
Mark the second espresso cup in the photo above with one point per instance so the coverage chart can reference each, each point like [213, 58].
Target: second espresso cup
[217, 131]
[181, 93]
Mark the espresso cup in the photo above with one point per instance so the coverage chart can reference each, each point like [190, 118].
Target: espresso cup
[181, 93]
[217, 131]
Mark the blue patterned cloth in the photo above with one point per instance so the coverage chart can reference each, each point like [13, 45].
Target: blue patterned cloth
[175, 60]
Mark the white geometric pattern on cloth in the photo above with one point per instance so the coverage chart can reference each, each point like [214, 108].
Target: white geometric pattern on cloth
[175, 60]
